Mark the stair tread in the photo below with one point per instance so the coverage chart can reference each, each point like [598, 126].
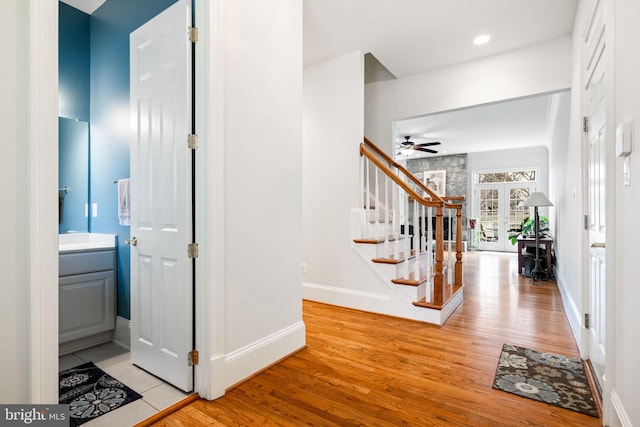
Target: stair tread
[449, 292]
[392, 260]
[373, 241]
[411, 280]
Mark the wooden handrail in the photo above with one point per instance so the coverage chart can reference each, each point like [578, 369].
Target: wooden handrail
[412, 177]
[364, 151]
[433, 201]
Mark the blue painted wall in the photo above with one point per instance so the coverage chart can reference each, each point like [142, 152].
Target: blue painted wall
[110, 26]
[73, 63]
[73, 106]
[94, 87]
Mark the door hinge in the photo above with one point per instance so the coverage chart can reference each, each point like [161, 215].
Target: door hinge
[192, 250]
[192, 141]
[585, 124]
[587, 321]
[193, 34]
[586, 222]
[194, 357]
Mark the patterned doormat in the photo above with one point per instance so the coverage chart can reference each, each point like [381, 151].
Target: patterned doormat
[90, 392]
[547, 377]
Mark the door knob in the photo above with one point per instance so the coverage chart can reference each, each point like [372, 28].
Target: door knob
[598, 245]
[132, 241]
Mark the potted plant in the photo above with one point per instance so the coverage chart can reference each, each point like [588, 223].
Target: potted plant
[526, 228]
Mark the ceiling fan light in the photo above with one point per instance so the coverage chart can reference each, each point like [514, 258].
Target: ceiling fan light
[406, 151]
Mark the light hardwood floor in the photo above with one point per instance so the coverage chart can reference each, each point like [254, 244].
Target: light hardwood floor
[373, 370]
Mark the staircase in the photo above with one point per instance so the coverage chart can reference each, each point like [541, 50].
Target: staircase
[399, 232]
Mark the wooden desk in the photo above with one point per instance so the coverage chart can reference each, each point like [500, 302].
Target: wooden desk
[525, 242]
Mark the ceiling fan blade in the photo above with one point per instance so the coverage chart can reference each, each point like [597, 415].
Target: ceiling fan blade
[426, 150]
[428, 144]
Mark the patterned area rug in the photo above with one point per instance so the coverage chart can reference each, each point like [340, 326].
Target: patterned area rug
[90, 392]
[547, 377]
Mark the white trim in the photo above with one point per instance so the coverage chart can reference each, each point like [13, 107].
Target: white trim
[619, 411]
[252, 358]
[571, 310]
[210, 310]
[379, 303]
[122, 333]
[85, 342]
[42, 125]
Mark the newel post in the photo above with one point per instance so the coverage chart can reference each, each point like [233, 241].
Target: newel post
[458, 267]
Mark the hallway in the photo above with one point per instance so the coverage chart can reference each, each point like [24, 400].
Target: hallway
[367, 369]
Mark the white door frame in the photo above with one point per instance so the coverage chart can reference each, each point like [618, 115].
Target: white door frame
[475, 202]
[43, 171]
[610, 189]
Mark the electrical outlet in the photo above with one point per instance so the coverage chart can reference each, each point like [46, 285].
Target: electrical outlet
[94, 210]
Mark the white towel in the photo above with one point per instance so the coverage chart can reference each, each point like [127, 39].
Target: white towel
[124, 202]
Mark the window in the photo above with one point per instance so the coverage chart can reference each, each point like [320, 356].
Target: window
[511, 176]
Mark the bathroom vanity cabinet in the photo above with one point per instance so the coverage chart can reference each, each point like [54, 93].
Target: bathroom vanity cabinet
[87, 298]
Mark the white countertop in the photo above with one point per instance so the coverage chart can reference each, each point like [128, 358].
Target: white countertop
[85, 241]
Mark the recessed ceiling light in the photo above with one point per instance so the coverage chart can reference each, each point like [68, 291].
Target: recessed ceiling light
[482, 39]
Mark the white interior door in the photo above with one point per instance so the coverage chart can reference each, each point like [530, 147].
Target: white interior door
[594, 71]
[161, 205]
[499, 208]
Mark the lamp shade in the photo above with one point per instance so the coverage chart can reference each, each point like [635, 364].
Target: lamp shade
[537, 199]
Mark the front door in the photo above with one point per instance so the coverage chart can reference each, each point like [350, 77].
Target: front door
[594, 70]
[500, 212]
[161, 201]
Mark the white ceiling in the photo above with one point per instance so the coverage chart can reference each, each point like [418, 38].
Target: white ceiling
[518, 123]
[409, 37]
[413, 36]
[87, 6]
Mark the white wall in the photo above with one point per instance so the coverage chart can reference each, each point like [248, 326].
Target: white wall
[537, 157]
[627, 292]
[541, 68]
[14, 173]
[333, 130]
[262, 134]
[530, 157]
[28, 169]
[567, 194]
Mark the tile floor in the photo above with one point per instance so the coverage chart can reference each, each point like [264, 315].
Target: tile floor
[114, 360]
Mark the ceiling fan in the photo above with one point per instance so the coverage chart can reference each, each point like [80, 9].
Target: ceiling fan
[407, 144]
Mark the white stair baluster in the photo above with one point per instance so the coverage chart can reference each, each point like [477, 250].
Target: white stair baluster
[449, 251]
[368, 204]
[396, 220]
[386, 208]
[416, 241]
[363, 201]
[429, 222]
[377, 205]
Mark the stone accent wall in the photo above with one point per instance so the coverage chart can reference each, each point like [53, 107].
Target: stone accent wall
[457, 177]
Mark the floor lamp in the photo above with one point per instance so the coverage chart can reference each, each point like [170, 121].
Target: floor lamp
[536, 200]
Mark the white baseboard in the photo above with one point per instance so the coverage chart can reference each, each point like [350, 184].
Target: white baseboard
[85, 342]
[386, 304]
[571, 310]
[619, 411]
[122, 334]
[250, 359]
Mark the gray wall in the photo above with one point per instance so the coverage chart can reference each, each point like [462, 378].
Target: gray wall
[457, 177]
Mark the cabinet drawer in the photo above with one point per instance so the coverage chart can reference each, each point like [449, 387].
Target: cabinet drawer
[86, 262]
